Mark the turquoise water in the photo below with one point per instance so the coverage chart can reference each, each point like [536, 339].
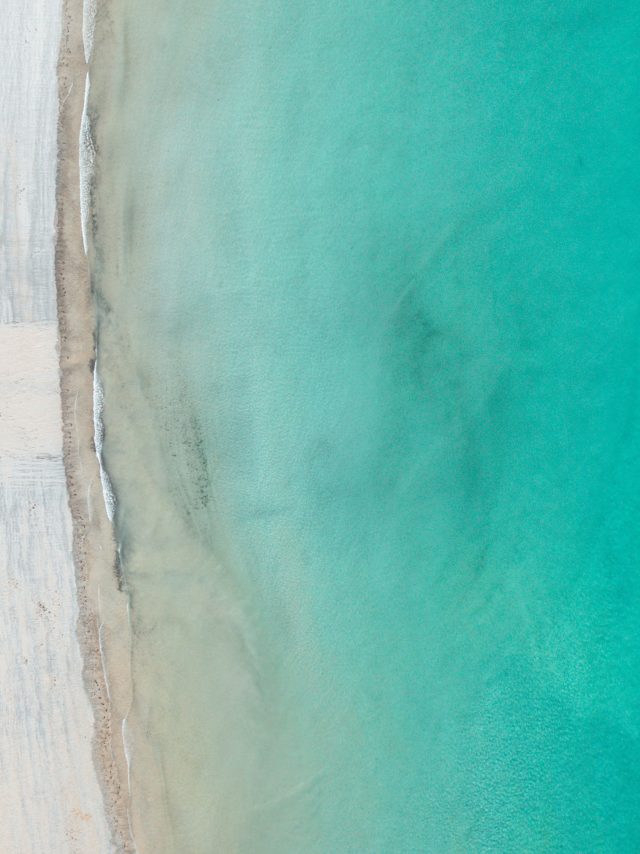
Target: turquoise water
[369, 335]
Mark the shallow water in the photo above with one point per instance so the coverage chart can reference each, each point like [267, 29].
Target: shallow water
[369, 339]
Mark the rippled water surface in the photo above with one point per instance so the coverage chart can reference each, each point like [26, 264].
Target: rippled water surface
[368, 276]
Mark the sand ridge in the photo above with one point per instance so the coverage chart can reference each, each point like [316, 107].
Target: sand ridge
[103, 626]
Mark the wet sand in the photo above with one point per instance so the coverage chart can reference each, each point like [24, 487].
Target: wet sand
[103, 627]
[60, 754]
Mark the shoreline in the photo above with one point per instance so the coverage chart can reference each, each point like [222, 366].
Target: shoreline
[103, 622]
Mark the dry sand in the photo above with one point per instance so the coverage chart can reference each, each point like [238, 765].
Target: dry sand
[50, 798]
[63, 769]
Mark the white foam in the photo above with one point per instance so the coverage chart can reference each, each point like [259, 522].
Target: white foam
[124, 728]
[98, 438]
[101, 646]
[49, 790]
[86, 163]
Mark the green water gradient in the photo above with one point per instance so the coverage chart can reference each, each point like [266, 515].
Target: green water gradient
[376, 280]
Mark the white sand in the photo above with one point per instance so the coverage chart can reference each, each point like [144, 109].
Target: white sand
[29, 43]
[50, 799]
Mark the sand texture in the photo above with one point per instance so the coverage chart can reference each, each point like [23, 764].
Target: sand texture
[58, 768]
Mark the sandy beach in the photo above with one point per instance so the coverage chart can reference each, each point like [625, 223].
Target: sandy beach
[51, 800]
[62, 756]
[319, 446]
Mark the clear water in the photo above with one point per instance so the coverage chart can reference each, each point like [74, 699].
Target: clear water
[369, 285]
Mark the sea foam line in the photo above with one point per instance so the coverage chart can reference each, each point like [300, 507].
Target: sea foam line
[87, 156]
[86, 164]
[98, 439]
[124, 728]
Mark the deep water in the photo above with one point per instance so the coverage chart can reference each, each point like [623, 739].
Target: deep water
[369, 276]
